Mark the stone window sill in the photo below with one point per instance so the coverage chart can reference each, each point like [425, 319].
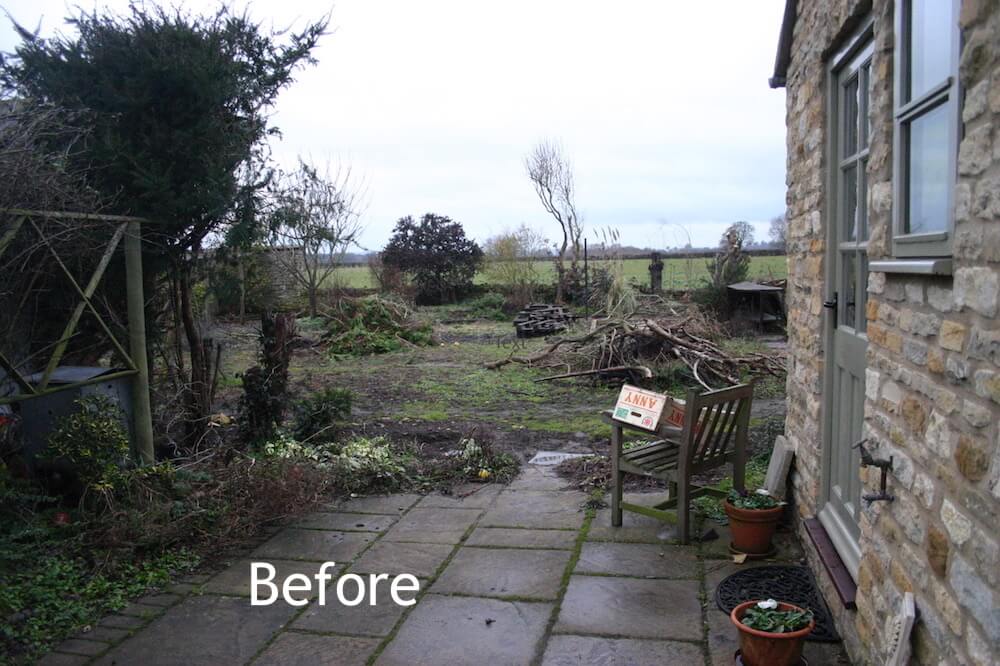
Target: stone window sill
[912, 266]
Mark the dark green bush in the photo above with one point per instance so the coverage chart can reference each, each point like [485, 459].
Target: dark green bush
[93, 440]
[488, 306]
[317, 416]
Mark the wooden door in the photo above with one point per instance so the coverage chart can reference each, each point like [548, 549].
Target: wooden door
[846, 298]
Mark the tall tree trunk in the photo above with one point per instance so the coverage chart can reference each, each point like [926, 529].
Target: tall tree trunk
[242, 273]
[313, 301]
[199, 383]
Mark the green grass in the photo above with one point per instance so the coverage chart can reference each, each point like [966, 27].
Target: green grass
[678, 273]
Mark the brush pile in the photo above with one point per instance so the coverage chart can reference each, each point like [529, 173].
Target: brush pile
[628, 346]
[373, 325]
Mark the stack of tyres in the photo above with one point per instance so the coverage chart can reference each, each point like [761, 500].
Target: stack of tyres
[541, 319]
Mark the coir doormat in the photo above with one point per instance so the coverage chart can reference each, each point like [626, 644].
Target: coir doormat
[791, 584]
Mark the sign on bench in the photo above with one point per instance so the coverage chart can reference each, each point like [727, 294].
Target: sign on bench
[643, 409]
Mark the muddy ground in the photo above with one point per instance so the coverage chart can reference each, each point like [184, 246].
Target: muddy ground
[433, 396]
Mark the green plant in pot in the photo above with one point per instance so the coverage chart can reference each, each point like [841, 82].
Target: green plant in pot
[753, 517]
[772, 632]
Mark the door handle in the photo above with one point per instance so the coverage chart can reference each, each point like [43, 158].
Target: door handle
[831, 304]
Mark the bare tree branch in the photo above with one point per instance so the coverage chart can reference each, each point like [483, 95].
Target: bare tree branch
[552, 176]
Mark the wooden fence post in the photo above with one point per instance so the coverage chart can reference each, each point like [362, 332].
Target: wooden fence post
[141, 411]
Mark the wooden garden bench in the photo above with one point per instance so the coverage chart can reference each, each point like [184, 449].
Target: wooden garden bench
[714, 433]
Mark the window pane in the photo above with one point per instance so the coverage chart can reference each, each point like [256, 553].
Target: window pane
[931, 32]
[849, 215]
[862, 217]
[851, 117]
[928, 181]
[849, 288]
[863, 92]
[862, 292]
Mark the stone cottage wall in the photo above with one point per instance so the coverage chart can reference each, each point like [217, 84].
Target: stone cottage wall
[933, 379]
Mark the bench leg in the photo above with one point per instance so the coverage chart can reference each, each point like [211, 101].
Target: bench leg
[617, 477]
[683, 500]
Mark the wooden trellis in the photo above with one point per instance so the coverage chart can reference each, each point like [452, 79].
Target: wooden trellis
[129, 229]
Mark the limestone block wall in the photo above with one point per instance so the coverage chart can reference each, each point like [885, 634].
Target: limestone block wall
[933, 378]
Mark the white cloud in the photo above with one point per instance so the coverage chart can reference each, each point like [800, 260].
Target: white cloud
[663, 107]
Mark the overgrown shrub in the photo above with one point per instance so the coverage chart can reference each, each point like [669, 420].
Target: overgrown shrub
[731, 264]
[370, 465]
[372, 325]
[94, 441]
[480, 461]
[265, 385]
[512, 260]
[241, 280]
[488, 306]
[317, 416]
[436, 255]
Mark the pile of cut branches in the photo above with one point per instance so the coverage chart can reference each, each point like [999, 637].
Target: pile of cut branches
[629, 346]
[372, 325]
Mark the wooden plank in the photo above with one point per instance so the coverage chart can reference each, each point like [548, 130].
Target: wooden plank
[66, 215]
[778, 466]
[665, 516]
[845, 586]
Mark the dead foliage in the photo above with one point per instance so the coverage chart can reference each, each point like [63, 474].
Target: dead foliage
[207, 506]
[629, 345]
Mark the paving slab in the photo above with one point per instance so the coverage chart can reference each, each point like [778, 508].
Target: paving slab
[536, 508]
[361, 620]
[391, 505]
[635, 528]
[84, 647]
[122, 621]
[465, 496]
[504, 572]
[135, 609]
[456, 631]
[433, 525]
[394, 557]
[723, 640]
[106, 634]
[640, 560]
[203, 630]
[539, 478]
[631, 607]
[520, 537]
[348, 522]
[573, 650]
[235, 579]
[299, 649]
[317, 545]
[62, 659]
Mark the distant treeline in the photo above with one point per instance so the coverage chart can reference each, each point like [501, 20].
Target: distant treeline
[627, 253]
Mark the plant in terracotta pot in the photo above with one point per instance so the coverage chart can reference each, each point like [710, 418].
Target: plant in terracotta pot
[772, 632]
[753, 517]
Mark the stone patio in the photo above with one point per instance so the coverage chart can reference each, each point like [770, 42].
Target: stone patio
[515, 575]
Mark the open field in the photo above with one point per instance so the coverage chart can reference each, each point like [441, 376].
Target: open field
[678, 273]
[438, 393]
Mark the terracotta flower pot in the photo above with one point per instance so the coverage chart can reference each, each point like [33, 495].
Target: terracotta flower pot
[753, 528]
[760, 648]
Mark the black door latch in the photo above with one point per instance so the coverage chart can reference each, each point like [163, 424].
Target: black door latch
[831, 304]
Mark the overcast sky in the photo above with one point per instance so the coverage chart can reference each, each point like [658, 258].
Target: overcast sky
[662, 106]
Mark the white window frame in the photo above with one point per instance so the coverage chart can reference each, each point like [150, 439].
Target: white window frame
[936, 243]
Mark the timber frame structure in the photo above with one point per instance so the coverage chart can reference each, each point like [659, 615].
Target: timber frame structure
[128, 228]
